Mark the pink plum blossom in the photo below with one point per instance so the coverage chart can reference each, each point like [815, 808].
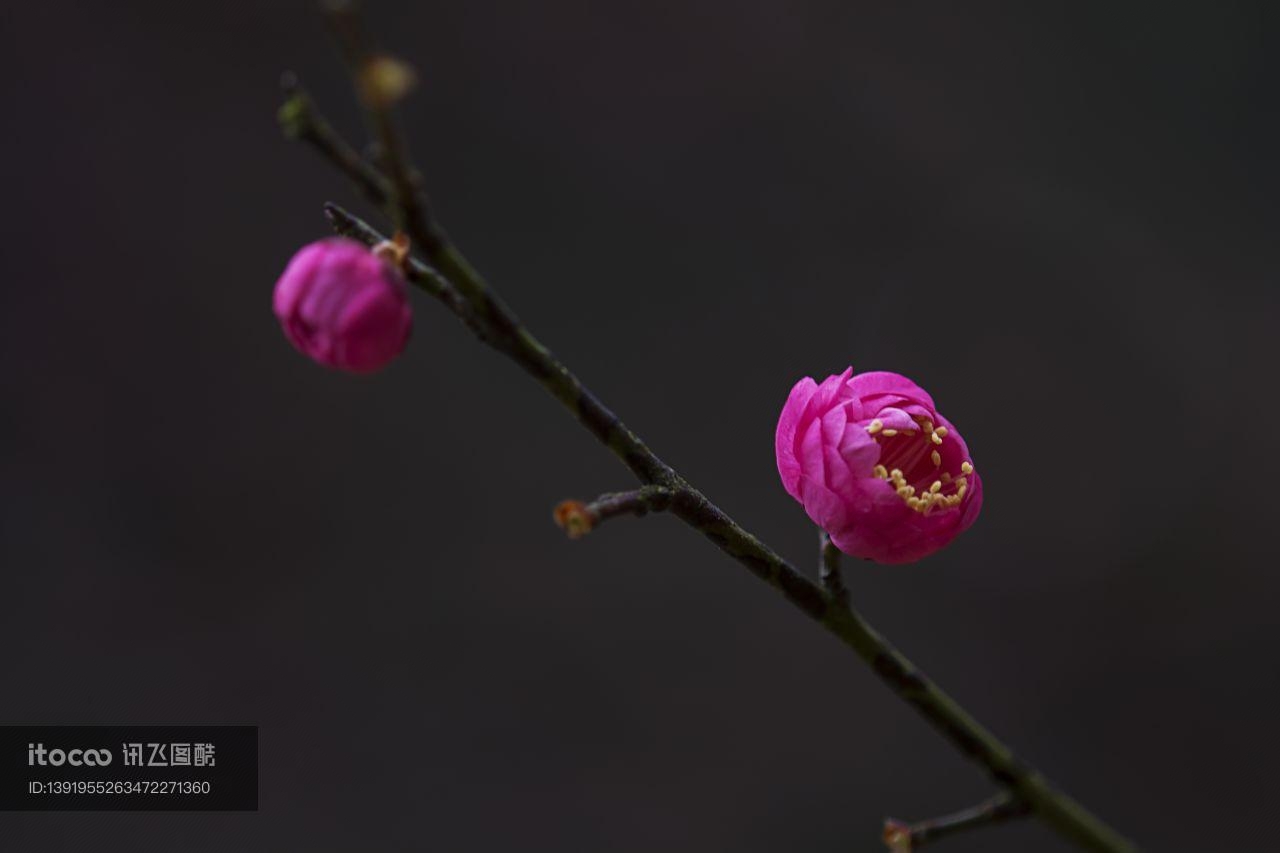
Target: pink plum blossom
[876, 466]
[344, 306]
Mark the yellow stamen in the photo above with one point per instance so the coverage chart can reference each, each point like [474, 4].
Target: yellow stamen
[941, 431]
[966, 468]
[875, 426]
[880, 472]
[937, 458]
[936, 487]
[935, 438]
[890, 433]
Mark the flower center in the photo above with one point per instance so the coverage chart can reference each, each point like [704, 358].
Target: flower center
[911, 463]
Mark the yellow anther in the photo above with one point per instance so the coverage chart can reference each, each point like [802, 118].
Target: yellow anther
[936, 457]
[966, 468]
[927, 502]
[941, 431]
[890, 433]
[935, 438]
[875, 426]
[880, 472]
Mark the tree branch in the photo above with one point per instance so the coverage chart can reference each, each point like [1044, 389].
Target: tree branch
[502, 329]
[964, 732]
[998, 809]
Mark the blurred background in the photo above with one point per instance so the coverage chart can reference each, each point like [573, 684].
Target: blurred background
[1059, 218]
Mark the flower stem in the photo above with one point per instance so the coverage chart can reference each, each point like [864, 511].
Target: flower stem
[829, 569]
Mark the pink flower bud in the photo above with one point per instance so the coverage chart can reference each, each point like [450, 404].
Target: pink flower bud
[344, 306]
[876, 466]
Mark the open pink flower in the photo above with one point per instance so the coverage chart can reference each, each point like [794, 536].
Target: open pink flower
[876, 466]
[344, 306]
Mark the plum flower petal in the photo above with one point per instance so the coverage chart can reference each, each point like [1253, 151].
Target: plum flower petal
[788, 466]
[343, 306]
[876, 465]
[877, 382]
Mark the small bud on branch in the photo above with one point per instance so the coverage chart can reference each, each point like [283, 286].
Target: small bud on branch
[574, 517]
[897, 836]
[394, 251]
[384, 80]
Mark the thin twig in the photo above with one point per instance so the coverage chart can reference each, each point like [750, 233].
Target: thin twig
[912, 836]
[300, 120]
[404, 200]
[578, 518]
[1055, 808]
[829, 569]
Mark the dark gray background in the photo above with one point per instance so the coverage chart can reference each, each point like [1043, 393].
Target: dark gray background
[1057, 217]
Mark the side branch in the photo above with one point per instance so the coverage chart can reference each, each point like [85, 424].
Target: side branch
[403, 197]
[579, 519]
[1000, 808]
[380, 81]
[300, 120]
